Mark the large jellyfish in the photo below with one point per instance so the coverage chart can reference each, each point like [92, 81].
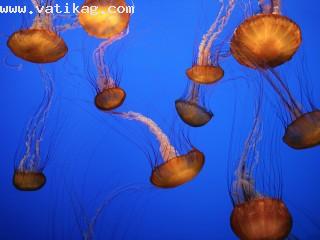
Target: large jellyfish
[107, 21]
[109, 95]
[205, 70]
[40, 43]
[256, 215]
[267, 39]
[28, 174]
[175, 169]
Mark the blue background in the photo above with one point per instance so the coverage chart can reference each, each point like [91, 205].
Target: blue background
[92, 153]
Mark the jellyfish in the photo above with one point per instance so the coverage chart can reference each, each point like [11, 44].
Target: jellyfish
[106, 22]
[266, 40]
[40, 43]
[109, 95]
[256, 215]
[206, 70]
[175, 169]
[303, 128]
[28, 173]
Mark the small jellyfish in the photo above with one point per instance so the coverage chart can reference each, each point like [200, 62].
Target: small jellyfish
[303, 129]
[175, 169]
[267, 39]
[206, 70]
[191, 108]
[109, 95]
[28, 173]
[106, 21]
[40, 43]
[256, 215]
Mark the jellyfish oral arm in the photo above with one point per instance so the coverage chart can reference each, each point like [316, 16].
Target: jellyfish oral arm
[104, 78]
[202, 59]
[276, 6]
[204, 55]
[243, 185]
[193, 95]
[222, 23]
[35, 3]
[166, 149]
[36, 127]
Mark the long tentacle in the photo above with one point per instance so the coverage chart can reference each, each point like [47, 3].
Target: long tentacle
[36, 127]
[244, 185]
[89, 234]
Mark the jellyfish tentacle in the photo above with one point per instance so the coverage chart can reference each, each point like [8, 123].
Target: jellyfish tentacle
[223, 22]
[194, 92]
[244, 181]
[264, 7]
[167, 150]
[201, 57]
[296, 108]
[68, 26]
[35, 3]
[89, 234]
[104, 78]
[36, 127]
[291, 106]
[276, 6]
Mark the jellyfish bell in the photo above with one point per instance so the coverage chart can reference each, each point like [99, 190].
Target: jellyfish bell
[262, 218]
[265, 41]
[28, 181]
[204, 74]
[178, 170]
[174, 169]
[107, 22]
[37, 45]
[304, 132]
[110, 98]
[192, 113]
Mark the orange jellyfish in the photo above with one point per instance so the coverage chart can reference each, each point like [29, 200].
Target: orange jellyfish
[40, 43]
[175, 169]
[206, 70]
[256, 215]
[303, 129]
[109, 95]
[28, 174]
[267, 39]
[107, 21]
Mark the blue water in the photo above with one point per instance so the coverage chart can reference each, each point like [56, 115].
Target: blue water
[93, 153]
